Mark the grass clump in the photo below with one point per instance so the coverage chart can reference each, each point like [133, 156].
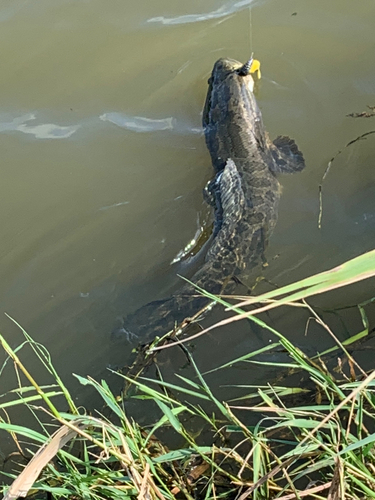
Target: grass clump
[311, 442]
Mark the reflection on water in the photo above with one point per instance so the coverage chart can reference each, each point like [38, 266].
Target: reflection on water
[42, 131]
[91, 223]
[143, 124]
[138, 123]
[223, 11]
[133, 123]
[115, 205]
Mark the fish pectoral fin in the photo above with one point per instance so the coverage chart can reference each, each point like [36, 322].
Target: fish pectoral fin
[232, 196]
[286, 155]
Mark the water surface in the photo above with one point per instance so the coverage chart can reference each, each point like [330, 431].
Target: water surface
[103, 161]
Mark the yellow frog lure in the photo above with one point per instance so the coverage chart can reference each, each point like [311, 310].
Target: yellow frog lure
[255, 68]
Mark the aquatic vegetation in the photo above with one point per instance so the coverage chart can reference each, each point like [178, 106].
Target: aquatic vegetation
[315, 441]
[364, 114]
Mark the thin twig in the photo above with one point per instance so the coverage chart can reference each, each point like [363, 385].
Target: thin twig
[363, 136]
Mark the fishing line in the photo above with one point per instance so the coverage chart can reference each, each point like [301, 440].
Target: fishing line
[251, 30]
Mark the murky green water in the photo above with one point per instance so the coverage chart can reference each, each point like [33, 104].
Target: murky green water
[103, 160]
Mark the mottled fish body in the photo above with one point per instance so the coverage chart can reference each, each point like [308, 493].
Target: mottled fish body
[244, 194]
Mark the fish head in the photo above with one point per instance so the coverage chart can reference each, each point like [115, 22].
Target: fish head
[230, 105]
[229, 69]
[233, 76]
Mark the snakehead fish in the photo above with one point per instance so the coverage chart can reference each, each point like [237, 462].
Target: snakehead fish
[244, 193]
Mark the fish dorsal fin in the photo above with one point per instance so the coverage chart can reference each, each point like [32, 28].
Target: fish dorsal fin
[286, 155]
[231, 194]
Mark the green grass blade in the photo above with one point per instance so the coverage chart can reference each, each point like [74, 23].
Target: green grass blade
[24, 431]
[176, 388]
[245, 357]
